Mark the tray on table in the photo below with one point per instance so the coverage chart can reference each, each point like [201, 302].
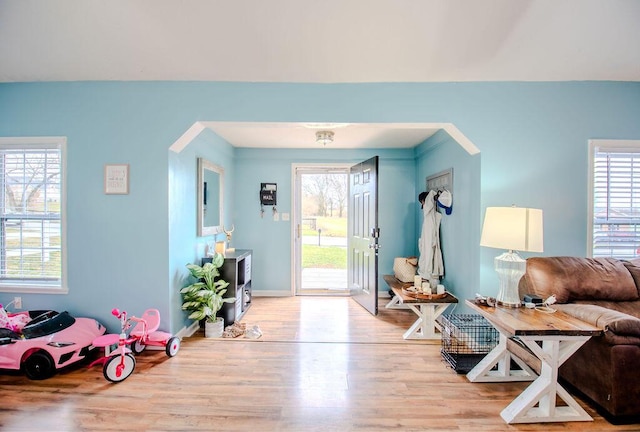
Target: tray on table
[408, 291]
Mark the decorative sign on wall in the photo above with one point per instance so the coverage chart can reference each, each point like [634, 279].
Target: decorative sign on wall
[116, 179]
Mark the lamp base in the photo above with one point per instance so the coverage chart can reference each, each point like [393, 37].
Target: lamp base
[508, 305]
[510, 268]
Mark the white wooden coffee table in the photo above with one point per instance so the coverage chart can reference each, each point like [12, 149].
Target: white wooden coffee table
[553, 338]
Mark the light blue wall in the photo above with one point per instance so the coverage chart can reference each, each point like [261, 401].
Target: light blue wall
[117, 244]
[459, 231]
[272, 242]
[532, 136]
[534, 143]
[185, 247]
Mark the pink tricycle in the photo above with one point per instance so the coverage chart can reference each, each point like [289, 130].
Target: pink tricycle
[146, 333]
[120, 363]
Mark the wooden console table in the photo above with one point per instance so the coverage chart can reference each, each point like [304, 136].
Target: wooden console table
[553, 338]
[427, 310]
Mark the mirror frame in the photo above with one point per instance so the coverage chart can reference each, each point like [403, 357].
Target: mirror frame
[203, 165]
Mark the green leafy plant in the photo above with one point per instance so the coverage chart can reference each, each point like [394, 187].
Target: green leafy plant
[204, 297]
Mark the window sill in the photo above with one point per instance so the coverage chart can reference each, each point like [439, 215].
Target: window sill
[32, 288]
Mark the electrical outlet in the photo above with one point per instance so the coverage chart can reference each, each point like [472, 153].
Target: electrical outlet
[276, 217]
[17, 302]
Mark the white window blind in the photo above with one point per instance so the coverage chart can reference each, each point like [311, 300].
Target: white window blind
[30, 214]
[616, 202]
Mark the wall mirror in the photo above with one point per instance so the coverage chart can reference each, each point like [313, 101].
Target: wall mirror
[210, 197]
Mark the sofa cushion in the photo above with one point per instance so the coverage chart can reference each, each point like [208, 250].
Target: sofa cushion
[627, 307]
[634, 268]
[619, 328]
[571, 278]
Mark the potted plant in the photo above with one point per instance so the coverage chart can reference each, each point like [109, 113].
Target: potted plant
[204, 297]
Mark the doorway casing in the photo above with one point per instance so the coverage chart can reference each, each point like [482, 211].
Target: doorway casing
[299, 169]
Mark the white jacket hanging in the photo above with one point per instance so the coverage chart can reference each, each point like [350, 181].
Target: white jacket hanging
[430, 265]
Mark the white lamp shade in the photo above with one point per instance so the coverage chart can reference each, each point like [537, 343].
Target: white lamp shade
[513, 228]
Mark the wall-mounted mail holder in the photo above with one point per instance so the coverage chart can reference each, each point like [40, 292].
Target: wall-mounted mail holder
[268, 194]
[268, 197]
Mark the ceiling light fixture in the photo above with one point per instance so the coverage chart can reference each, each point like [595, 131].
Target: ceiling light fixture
[324, 137]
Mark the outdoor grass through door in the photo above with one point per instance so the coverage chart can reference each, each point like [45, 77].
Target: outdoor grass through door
[322, 224]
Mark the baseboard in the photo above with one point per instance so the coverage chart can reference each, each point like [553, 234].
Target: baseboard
[188, 331]
[270, 293]
[276, 293]
[183, 333]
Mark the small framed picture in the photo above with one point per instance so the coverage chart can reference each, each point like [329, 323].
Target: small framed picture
[116, 179]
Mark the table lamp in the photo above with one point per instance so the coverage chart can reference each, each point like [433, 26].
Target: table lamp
[515, 229]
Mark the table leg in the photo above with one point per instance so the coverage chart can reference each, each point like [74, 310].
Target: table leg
[425, 326]
[395, 303]
[543, 391]
[501, 357]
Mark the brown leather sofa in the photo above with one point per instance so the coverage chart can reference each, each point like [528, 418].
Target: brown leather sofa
[606, 293]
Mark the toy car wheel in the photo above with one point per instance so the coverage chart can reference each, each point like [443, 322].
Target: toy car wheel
[137, 347]
[118, 368]
[173, 346]
[39, 366]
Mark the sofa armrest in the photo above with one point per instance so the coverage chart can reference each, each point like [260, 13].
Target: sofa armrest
[619, 328]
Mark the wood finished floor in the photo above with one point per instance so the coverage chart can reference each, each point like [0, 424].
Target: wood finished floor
[323, 364]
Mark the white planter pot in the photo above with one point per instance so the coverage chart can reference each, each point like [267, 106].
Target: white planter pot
[214, 329]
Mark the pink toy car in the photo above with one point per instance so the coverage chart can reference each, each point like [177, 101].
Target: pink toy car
[48, 342]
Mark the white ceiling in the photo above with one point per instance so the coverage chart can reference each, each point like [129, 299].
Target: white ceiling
[302, 135]
[317, 41]
[320, 41]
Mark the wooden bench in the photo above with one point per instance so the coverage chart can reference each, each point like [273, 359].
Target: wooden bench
[427, 309]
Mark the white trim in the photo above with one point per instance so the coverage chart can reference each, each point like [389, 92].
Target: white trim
[271, 293]
[464, 142]
[593, 144]
[297, 210]
[34, 140]
[63, 218]
[186, 138]
[195, 129]
[203, 231]
[188, 331]
[295, 217]
[32, 287]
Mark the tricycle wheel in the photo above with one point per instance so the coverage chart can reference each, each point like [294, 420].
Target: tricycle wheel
[39, 366]
[173, 346]
[137, 347]
[119, 367]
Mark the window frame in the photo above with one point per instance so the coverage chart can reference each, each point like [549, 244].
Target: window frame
[593, 145]
[41, 286]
